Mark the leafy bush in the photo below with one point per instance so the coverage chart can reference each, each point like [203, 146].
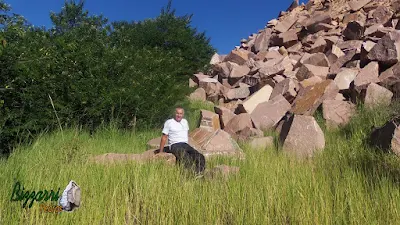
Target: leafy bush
[87, 71]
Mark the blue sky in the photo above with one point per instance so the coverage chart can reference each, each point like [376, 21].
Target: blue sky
[224, 21]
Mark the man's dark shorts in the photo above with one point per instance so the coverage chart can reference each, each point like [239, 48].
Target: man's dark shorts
[188, 156]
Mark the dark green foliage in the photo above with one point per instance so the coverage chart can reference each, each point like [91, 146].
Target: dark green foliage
[86, 71]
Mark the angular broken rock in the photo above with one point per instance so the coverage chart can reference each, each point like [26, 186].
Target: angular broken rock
[214, 143]
[289, 38]
[239, 123]
[307, 71]
[288, 88]
[390, 76]
[387, 50]
[295, 48]
[377, 30]
[354, 30]
[225, 115]
[319, 45]
[311, 81]
[366, 48]
[340, 97]
[377, 95]
[239, 57]
[356, 5]
[222, 69]
[387, 137]
[248, 133]
[266, 115]
[215, 59]
[395, 143]
[262, 95]
[337, 112]
[192, 83]
[199, 94]
[268, 71]
[208, 83]
[267, 55]
[310, 98]
[237, 93]
[317, 18]
[211, 88]
[318, 59]
[335, 54]
[369, 74]
[344, 78]
[357, 16]
[237, 71]
[209, 120]
[262, 142]
[286, 24]
[294, 5]
[302, 136]
[337, 65]
[381, 15]
[262, 41]
[350, 45]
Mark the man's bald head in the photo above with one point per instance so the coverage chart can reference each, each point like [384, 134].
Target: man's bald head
[179, 113]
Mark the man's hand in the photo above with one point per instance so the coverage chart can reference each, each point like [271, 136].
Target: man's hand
[164, 139]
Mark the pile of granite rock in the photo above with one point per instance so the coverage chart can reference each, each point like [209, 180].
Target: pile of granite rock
[323, 55]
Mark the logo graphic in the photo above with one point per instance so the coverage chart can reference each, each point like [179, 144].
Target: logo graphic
[68, 201]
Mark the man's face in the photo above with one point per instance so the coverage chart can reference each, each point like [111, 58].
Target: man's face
[179, 113]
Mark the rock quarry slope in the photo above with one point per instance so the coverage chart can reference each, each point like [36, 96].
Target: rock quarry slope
[326, 55]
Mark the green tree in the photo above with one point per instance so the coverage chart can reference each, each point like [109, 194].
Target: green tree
[84, 71]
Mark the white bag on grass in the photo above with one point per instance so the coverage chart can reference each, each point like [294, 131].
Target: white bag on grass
[71, 197]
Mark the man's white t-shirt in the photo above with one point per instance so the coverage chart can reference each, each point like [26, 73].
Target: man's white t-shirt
[176, 131]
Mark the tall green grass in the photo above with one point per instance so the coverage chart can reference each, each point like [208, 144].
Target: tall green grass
[348, 183]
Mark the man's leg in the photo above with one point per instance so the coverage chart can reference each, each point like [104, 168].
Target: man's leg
[178, 151]
[196, 158]
[189, 156]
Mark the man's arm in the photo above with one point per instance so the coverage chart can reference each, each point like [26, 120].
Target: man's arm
[164, 139]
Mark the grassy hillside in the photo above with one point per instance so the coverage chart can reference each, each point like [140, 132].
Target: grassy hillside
[346, 184]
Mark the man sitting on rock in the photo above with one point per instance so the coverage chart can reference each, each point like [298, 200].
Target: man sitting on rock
[176, 131]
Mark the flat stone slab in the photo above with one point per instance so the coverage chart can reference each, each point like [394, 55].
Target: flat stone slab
[145, 157]
[218, 143]
[302, 136]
